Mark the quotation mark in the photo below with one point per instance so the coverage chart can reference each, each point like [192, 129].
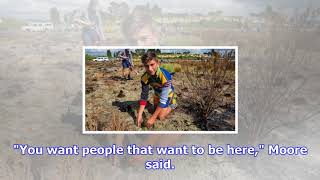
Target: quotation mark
[261, 146]
[16, 146]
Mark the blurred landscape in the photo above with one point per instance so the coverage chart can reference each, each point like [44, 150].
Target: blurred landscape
[40, 79]
[204, 84]
[199, 28]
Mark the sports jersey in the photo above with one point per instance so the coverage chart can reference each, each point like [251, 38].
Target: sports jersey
[162, 85]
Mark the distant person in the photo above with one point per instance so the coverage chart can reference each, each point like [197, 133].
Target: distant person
[129, 55]
[95, 18]
[126, 61]
[92, 33]
[164, 97]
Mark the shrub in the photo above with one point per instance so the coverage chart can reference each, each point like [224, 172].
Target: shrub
[205, 83]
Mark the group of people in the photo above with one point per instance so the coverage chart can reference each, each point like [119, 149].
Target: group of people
[159, 79]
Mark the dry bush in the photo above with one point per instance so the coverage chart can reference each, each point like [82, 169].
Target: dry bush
[117, 124]
[177, 68]
[272, 82]
[205, 82]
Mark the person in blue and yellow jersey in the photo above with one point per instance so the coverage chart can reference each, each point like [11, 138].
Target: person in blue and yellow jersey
[164, 97]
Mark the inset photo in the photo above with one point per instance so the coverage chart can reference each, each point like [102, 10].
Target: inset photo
[149, 90]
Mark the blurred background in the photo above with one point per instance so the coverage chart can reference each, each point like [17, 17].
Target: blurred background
[41, 71]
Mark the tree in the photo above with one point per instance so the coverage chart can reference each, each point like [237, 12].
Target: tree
[117, 53]
[109, 55]
[151, 50]
[158, 51]
[215, 55]
[186, 52]
[140, 51]
[89, 57]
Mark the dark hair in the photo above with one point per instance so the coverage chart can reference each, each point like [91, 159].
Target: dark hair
[147, 57]
[126, 52]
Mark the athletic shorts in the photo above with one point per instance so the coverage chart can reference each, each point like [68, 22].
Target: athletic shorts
[126, 64]
[171, 102]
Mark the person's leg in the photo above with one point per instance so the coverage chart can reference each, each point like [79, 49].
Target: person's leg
[164, 113]
[123, 69]
[126, 70]
[125, 73]
[129, 74]
[129, 70]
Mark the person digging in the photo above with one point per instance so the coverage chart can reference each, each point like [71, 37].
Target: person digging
[164, 97]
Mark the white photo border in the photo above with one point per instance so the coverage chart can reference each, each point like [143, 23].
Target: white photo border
[159, 132]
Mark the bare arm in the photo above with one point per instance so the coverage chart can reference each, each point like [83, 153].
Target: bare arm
[139, 119]
[154, 116]
[143, 101]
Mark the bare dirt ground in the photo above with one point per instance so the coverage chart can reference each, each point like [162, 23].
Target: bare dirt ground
[112, 103]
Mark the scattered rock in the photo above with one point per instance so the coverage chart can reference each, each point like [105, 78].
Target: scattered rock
[121, 94]
[110, 70]
[225, 87]
[98, 75]
[185, 89]
[90, 88]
